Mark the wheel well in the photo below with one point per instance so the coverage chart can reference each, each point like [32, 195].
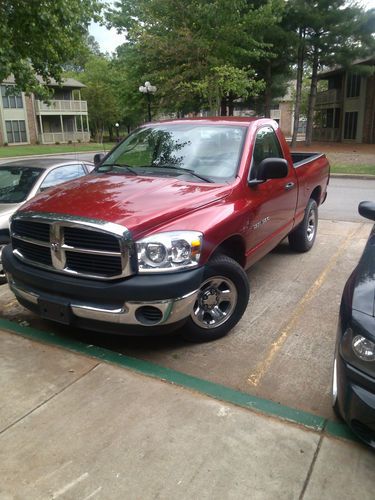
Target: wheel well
[316, 194]
[233, 247]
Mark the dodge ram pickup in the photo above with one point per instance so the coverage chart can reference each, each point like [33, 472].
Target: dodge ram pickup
[159, 235]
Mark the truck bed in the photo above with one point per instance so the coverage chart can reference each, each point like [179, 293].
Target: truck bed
[302, 158]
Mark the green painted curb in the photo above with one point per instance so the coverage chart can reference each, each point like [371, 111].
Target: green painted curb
[206, 387]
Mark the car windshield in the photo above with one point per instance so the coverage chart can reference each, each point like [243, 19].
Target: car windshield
[17, 182]
[202, 153]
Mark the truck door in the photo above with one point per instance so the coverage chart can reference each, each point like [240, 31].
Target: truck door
[272, 204]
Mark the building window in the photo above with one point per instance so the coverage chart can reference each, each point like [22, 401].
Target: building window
[16, 130]
[10, 100]
[350, 126]
[329, 118]
[353, 86]
[337, 118]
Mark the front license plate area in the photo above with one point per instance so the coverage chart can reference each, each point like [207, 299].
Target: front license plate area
[55, 311]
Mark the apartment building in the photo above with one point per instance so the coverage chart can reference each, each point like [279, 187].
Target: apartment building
[345, 112]
[29, 120]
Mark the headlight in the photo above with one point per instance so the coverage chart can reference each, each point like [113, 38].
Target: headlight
[166, 252]
[358, 350]
[363, 348]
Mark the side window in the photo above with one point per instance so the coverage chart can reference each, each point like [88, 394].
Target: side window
[62, 174]
[266, 146]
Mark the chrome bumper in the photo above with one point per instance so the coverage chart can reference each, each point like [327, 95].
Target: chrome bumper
[164, 312]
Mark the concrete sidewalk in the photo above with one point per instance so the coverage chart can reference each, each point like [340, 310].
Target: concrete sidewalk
[76, 427]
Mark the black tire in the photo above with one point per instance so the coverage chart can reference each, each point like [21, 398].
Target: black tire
[303, 237]
[3, 241]
[213, 316]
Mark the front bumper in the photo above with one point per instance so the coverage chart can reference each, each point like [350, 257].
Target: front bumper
[138, 301]
[356, 400]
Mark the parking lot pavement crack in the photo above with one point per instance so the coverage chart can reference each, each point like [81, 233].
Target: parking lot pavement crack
[256, 376]
[311, 468]
[46, 401]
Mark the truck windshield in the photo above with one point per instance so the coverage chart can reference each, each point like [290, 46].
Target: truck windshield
[17, 182]
[205, 153]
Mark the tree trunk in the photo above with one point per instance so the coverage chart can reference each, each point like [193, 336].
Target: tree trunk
[230, 104]
[312, 96]
[268, 92]
[297, 105]
[223, 107]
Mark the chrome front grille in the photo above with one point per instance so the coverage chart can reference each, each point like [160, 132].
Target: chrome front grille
[73, 245]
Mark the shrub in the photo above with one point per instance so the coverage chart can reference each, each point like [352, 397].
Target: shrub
[57, 142]
[70, 142]
[6, 144]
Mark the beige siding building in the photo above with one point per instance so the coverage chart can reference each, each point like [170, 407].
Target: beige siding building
[29, 120]
[345, 112]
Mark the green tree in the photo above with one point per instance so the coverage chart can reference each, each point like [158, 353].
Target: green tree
[37, 38]
[103, 103]
[182, 45]
[330, 33]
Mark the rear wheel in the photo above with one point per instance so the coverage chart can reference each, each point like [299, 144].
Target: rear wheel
[222, 299]
[303, 237]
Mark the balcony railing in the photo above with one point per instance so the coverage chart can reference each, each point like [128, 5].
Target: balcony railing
[63, 137]
[331, 96]
[56, 107]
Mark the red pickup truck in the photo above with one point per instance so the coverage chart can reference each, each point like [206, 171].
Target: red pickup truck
[161, 232]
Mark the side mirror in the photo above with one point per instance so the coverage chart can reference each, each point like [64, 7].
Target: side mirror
[367, 209]
[98, 158]
[270, 168]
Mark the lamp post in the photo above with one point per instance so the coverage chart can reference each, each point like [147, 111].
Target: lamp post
[148, 89]
[117, 125]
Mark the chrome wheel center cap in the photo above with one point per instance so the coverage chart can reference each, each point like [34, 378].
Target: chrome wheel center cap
[210, 299]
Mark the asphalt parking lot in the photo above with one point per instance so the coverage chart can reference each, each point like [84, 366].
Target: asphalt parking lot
[282, 349]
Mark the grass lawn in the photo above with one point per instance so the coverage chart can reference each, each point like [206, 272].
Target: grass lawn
[45, 149]
[352, 169]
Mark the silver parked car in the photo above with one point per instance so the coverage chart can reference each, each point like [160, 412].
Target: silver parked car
[21, 180]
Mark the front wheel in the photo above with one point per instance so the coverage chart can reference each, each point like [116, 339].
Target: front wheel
[303, 237]
[222, 299]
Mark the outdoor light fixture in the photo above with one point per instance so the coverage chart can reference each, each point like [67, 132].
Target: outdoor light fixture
[148, 89]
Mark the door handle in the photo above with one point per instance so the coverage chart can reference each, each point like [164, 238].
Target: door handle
[289, 185]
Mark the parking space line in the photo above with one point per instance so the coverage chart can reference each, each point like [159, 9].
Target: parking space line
[256, 376]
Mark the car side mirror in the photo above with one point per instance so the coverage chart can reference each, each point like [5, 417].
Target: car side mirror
[367, 209]
[270, 168]
[98, 158]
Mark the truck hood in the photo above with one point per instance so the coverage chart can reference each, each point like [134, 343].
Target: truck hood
[139, 203]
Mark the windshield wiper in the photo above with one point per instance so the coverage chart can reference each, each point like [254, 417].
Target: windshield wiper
[188, 170]
[108, 167]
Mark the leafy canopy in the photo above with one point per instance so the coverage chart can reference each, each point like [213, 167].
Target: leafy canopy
[38, 37]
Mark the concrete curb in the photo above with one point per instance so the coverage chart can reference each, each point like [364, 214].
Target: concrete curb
[11, 158]
[219, 392]
[354, 176]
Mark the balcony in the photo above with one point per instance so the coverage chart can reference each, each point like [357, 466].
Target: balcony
[55, 107]
[63, 137]
[332, 96]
